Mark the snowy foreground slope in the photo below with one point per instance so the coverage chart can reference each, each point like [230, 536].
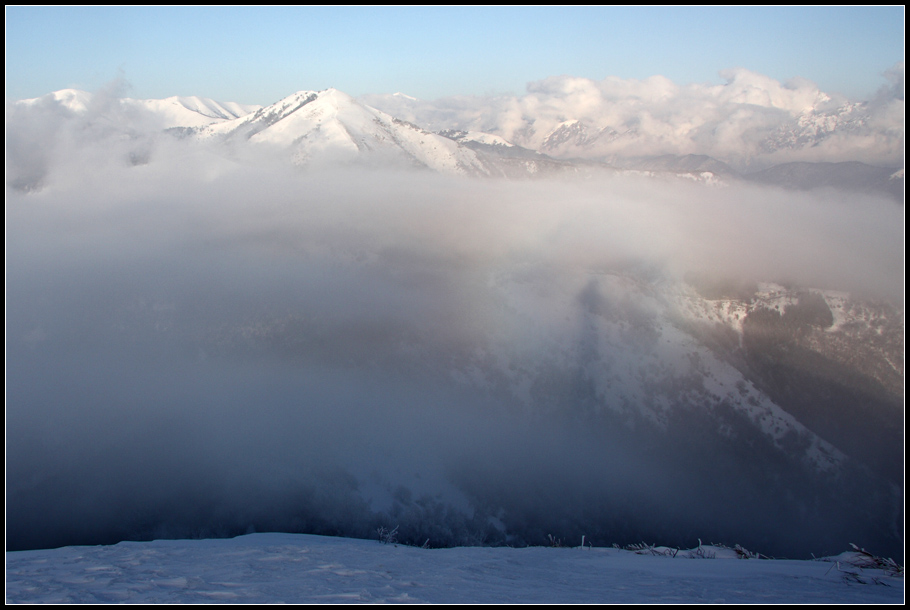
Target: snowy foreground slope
[314, 569]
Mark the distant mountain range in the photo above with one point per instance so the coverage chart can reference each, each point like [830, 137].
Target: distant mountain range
[751, 122]
[326, 127]
[171, 112]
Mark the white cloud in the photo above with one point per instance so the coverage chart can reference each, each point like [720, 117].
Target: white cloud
[740, 121]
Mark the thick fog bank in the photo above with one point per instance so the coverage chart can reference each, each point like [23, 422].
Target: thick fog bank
[202, 346]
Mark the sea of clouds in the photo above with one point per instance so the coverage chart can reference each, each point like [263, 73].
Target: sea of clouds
[153, 282]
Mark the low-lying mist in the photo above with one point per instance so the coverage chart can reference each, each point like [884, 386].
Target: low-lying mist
[204, 344]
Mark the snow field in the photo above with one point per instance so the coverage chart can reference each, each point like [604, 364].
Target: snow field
[297, 568]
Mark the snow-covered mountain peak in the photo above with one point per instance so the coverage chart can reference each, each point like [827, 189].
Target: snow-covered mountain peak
[73, 99]
[330, 96]
[333, 92]
[329, 101]
[331, 126]
[174, 111]
[209, 107]
[193, 111]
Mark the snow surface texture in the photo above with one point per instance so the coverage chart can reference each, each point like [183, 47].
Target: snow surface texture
[296, 568]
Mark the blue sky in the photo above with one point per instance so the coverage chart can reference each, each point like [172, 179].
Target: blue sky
[261, 54]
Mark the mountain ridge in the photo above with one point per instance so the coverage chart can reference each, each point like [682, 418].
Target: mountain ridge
[349, 131]
[331, 125]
